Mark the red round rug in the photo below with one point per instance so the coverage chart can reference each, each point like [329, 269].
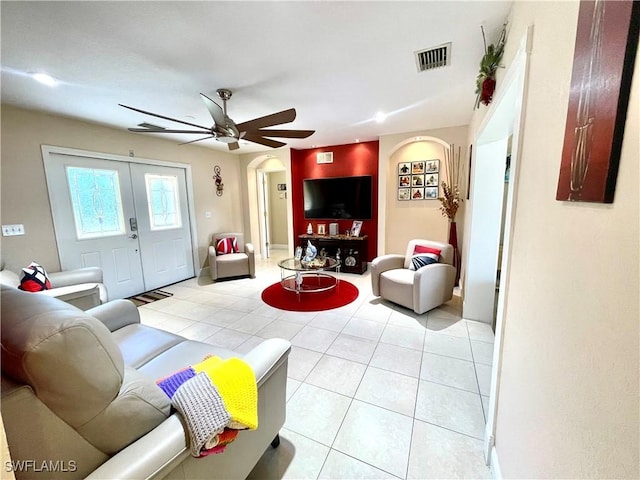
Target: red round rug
[277, 297]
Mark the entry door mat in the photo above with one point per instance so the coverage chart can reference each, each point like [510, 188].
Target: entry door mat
[277, 297]
[149, 297]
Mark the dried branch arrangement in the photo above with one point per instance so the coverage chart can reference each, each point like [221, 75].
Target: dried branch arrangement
[451, 199]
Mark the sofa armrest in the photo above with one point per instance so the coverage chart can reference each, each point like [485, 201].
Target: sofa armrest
[75, 277]
[266, 357]
[116, 314]
[250, 251]
[151, 456]
[213, 268]
[382, 264]
[83, 295]
[433, 285]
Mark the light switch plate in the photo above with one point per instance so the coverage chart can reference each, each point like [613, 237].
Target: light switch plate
[11, 230]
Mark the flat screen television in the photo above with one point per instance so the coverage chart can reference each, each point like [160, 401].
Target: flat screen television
[338, 197]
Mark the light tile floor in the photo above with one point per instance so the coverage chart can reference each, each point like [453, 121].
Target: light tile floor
[374, 391]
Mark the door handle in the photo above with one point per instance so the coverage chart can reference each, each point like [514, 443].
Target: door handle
[134, 236]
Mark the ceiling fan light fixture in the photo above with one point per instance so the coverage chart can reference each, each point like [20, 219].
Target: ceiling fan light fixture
[45, 79]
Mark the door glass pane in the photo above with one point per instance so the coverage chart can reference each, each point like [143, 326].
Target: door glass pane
[164, 204]
[97, 206]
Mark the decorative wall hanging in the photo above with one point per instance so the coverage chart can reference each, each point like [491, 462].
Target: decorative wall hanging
[486, 79]
[605, 51]
[418, 180]
[218, 179]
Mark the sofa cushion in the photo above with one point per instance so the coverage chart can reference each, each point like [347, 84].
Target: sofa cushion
[181, 356]
[140, 344]
[424, 255]
[34, 278]
[227, 245]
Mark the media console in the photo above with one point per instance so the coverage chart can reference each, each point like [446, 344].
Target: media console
[353, 250]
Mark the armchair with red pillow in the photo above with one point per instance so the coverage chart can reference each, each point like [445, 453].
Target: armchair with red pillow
[421, 279]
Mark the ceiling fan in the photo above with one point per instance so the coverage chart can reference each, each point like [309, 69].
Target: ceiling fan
[226, 130]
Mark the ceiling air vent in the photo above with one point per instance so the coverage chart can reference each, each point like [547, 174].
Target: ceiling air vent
[324, 157]
[434, 57]
[150, 126]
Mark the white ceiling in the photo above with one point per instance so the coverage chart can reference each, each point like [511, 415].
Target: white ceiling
[337, 63]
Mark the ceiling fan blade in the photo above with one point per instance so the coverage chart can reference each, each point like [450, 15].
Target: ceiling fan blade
[165, 130]
[233, 145]
[198, 140]
[215, 111]
[251, 137]
[163, 117]
[285, 116]
[285, 133]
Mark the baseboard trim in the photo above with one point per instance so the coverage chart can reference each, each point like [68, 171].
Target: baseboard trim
[496, 472]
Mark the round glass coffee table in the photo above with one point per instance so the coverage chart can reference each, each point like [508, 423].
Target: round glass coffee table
[319, 275]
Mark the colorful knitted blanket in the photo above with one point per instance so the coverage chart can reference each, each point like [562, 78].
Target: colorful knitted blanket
[216, 397]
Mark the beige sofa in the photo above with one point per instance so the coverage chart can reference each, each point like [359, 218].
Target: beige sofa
[78, 389]
[81, 287]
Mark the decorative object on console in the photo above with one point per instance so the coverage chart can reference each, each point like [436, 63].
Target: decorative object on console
[218, 179]
[333, 229]
[451, 199]
[486, 79]
[605, 52]
[309, 229]
[343, 246]
[322, 229]
[356, 227]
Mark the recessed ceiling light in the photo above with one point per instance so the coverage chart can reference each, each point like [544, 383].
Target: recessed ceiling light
[357, 140]
[45, 79]
[381, 117]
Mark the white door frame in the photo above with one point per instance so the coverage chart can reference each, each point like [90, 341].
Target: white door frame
[505, 117]
[48, 150]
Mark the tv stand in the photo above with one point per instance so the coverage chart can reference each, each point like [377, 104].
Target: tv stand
[353, 250]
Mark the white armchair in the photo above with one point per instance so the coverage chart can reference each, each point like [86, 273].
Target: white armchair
[231, 264]
[420, 290]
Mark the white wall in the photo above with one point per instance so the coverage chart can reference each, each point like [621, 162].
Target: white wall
[568, 404]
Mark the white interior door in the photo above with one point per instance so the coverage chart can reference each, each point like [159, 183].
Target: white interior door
[91, 203]
[163, 229]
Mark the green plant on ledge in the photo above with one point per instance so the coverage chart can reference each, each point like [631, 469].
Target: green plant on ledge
[486, 80]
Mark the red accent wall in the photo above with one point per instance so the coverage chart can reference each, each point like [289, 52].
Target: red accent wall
[348, 160]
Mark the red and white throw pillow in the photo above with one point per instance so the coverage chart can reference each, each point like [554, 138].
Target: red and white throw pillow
[423, 255]
[34, 278]
[227, 245]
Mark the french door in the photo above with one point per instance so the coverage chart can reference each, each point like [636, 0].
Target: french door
[130, 219]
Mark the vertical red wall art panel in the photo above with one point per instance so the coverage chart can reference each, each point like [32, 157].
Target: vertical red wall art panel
[605, 51]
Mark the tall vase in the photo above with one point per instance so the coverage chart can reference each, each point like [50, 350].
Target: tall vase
[453, 241]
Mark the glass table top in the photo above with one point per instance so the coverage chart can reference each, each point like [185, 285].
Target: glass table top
[326, 263]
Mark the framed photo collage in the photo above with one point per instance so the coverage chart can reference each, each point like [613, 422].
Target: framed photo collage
[419, 180]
